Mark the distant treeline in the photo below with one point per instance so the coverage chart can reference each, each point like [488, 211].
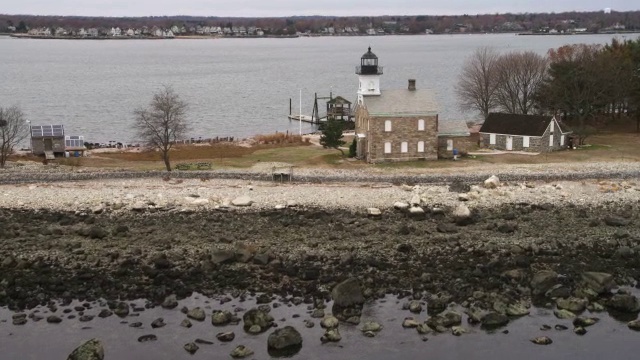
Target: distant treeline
[536, 22]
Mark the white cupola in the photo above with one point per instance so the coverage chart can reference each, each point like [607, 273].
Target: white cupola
[369, 74]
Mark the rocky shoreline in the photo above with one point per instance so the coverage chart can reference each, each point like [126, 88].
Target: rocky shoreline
[305, 252]
[493, 250]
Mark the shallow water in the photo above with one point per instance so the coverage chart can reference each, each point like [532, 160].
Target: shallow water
[608, 338]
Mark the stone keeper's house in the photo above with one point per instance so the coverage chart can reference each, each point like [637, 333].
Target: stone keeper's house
[393, 125]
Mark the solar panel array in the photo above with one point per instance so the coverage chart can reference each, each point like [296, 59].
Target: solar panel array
[47, 130]
[74, 141]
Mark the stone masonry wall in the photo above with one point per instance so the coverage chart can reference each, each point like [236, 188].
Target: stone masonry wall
[403, 129]
[462, 143]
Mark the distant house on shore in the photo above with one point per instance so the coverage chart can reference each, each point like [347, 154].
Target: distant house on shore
[535, 133]
[47, 140]
[51, 141]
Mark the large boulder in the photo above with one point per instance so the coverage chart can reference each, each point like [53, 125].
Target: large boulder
[599, 282]
[573, 304]
[257, 318]
[624, 303]
[223, 256]
[543, 281]
[613, 220]
[221, 317]
[492, 182]
[285, 339]
[90, 350]
[462, 215]
[348, 293]
[241, 352]
[170, 302]
[242, 201]
[196, 314]
[494, 319]
[401, 205]
[445, 320]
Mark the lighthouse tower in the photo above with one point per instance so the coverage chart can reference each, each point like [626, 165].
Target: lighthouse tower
[369, 74]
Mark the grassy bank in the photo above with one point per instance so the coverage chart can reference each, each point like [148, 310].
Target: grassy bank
[605, 147]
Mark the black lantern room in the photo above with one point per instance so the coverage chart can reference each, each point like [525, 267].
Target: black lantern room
[369, 64]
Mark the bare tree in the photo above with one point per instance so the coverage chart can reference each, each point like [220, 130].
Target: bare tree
[13, 129]
[519, 77]
[163, 122]
[477, 83]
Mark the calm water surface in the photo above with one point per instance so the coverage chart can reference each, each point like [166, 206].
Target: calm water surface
[39, 340]
[236, 87]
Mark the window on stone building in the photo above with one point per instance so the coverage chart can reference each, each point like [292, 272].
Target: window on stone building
[387, 148]
[525, 141]
[449, 145]
[492, 139]
[404, 147]
[387, 125]
[420, 146]
[421, 125]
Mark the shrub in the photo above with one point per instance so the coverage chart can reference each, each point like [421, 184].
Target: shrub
[353, 148]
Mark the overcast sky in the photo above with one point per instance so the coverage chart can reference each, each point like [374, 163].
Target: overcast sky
[268, 8]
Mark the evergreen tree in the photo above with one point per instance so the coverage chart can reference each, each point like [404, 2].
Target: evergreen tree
[353, 148]
[332, 135]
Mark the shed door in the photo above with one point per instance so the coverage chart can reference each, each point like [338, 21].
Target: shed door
[509, 143]
[48, 145]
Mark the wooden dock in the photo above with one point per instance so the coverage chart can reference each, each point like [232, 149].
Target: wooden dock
[303, 118]
[336, 107]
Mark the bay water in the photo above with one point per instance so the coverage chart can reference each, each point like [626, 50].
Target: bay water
[235, 87]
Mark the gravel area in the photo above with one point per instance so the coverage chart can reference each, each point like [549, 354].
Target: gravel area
[179, 194]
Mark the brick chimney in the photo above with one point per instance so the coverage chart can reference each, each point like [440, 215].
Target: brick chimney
[412, 84]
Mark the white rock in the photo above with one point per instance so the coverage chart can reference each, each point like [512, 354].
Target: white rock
[291, 203]
[200, 202]
[463, 197]
[98, 209]
[242, 201]
[280, 207]
[406, 187]
[33, 187]
[374, 212]
[400, 205]
[475, 188]
[461, 212]
[415, 200]
[492, 182]
[416, 210]
[139, 206]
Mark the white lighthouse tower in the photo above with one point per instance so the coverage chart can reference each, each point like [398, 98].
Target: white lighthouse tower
[369, 74]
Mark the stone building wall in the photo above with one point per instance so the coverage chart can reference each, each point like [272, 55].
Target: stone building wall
[462, 143]
[403, 129]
